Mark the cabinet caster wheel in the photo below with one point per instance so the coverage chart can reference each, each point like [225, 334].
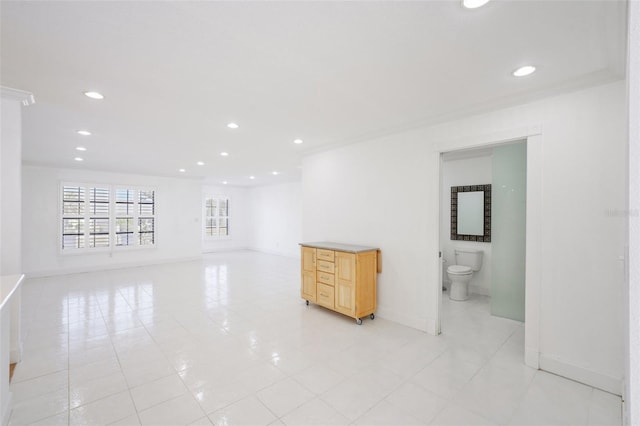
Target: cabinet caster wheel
[358, 321]
[372, 316]
[307, 303]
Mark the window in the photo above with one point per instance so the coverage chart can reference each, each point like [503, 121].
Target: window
[73, 217]
[99, 217]
[146, 219]
[102, 216]
[216, 223]
[124, 217]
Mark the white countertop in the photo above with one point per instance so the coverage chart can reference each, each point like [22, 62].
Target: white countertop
[350, 248]
[8, 285]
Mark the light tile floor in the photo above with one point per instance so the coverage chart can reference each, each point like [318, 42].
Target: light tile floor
[229, 341]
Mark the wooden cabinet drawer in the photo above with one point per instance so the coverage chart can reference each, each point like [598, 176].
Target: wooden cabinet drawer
[325, 296]
[324, 266]
[325, 255]
[325, 277]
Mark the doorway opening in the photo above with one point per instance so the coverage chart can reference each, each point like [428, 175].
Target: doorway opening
[498, 293]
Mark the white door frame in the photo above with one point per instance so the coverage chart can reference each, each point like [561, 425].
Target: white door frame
[534, 226]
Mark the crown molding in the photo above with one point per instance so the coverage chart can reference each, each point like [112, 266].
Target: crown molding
[26, 98]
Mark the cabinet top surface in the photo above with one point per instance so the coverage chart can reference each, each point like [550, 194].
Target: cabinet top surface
[351, 248]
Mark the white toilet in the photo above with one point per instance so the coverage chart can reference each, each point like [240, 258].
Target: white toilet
[467, 261]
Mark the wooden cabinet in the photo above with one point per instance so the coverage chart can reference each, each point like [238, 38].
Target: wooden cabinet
[340, 277]
[308, 288]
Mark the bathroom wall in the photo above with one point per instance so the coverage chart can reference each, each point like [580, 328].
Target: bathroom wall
[465, 168]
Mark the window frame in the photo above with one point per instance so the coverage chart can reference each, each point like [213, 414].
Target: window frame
[112, 218]
[216, 217]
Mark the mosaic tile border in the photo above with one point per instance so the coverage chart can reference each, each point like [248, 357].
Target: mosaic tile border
[486, 237]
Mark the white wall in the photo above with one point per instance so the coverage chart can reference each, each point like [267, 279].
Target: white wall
[467, 171]
[276, 218]
[239, 219]
[178, 222]
[385, 193]
[11, 163]
[632, 295]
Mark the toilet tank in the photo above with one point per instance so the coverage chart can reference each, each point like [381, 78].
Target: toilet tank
[469, 257]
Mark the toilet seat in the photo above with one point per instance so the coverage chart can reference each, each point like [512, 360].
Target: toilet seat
[459, 270]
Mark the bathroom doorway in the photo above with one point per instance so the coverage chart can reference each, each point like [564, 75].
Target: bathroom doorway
[494, 177]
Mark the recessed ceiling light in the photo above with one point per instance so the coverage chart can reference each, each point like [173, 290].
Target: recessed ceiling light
[78, 159]
[181, 170]
[224, 182]
[297, 141]
[275, 173]
[200, 163]
[232, 126]
[84, 132]
[474, 4]
[80, 148]
[252, 177]
[224, 154]
[94, 95]
[524, 71]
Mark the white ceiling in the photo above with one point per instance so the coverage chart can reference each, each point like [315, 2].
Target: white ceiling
[175, 73]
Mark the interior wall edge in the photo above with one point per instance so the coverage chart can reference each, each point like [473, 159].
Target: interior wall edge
[274, 252]
[631, 396]
[582, 375]
[423, 324]
[114, 266]
[224, 249]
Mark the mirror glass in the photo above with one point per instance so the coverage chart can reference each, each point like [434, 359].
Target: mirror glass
[471, 213]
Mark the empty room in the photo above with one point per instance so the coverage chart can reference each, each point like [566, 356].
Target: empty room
[320, 213]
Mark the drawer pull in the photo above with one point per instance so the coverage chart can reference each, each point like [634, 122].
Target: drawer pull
[324, 295]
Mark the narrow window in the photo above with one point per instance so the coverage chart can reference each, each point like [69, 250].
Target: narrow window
[99, 217]
[124, 217]
[146, 218]
[73, 210]
[216, 223]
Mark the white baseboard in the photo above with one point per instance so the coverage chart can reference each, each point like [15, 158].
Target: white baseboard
[532, 358]
[579, 374]
[108, 267]
[295, 255]
[421, 324]
[224, 249]
[479, 290]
